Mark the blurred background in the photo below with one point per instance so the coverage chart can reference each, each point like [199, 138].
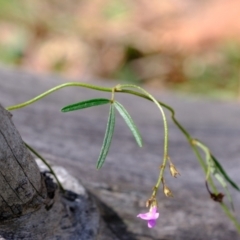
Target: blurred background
[187, 46]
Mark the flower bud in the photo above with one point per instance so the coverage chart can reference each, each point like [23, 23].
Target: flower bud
[151, 202]
[174, 172]
[167, 191]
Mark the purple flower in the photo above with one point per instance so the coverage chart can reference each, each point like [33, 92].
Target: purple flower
[150, 216]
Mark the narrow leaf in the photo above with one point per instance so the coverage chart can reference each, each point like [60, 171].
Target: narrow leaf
[220, 168]
[107, 138]
[214, 167]
[85, 104]
[219, 177]
[127, 118]
[222, 181]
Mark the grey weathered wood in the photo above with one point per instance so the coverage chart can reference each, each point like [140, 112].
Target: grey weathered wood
[22, 189]
[31, 206]
[73, 140]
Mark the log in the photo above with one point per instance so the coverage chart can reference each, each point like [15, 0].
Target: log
[121, 187]
[22, 189]
[31, 205]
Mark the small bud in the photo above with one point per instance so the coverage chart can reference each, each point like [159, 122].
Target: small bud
[167, 191]
[217, 197]
[174, 172]
[148, 203]
[151, 202]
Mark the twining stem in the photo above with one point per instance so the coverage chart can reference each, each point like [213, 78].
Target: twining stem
[231, 216]
[145, 96]
[163, 105]
[103, 89]
[70, 84]
[208, 155]
[211, 183]
[203, 165]
[47, 164]
[113, 93]
[98, 88]
[195, 150]
[165, 154]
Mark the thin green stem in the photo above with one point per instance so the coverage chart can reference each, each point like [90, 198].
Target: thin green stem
[207, 152]
[98, 88]
[47, 164]
[70, 84]
[163, 105]
[195, 150]
[231, 217]
[203, 165]
[165, 155]
[147, 96]
[113, 93]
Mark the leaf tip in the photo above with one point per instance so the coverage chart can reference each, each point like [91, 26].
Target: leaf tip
[98, 166]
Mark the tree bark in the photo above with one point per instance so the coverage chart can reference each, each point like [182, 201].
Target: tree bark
[22, 189]
[31, 207]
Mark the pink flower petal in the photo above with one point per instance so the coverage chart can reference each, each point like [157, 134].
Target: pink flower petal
[151, 223]
[151, 216]
[145, 216]
[153, 210]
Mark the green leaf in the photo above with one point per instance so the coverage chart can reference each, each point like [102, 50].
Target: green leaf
[220, 168]
[126, 116]
[214, 170]
[219, 176]
[85, 104]
[221, 179]
[214, 167]
[107, 138]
